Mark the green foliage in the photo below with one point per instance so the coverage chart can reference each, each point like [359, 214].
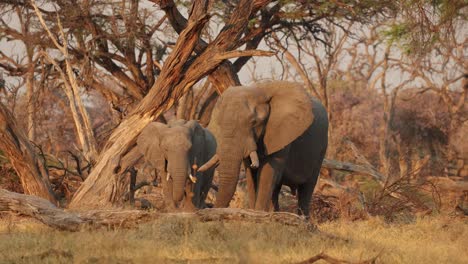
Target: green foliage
[399, 33]
[422, 25]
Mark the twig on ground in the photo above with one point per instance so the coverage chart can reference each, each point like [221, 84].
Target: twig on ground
[332, 260]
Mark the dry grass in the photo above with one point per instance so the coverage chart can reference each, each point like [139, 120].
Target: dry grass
[430, 240]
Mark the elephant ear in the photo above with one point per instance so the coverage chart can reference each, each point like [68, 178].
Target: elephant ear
[149, 144]
[290, 114]
[198, 140]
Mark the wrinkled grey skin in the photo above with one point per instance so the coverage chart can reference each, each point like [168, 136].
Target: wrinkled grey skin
[285, 126]
[174, 149]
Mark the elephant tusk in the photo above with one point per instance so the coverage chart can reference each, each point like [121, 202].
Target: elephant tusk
[168, 176]
[193, 179]
[254, 160]
[209, 164]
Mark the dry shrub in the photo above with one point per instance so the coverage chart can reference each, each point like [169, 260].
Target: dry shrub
[324, 208]
[364, 197]
[356, 115]
[9, 179]
[421, 126]
[403, 200]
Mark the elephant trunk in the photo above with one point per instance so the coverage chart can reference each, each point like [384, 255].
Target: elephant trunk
[228, 176]
[179, 179]
[179, 171]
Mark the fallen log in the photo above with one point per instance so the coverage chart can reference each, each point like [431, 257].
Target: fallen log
[61, 219]
[40, 209]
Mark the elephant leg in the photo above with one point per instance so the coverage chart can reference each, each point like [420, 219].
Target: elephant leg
[275, 197]
[196, 190]
[206, 186]
[305, 192]
[250, 186]
[269, 177]
[189, 197]
[167, 192]
[133, 176]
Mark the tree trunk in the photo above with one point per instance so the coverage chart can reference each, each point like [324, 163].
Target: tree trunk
[224, 75]
[103, 186]
[29, 168]
[31, 116]
[82, 123]
[85, 121]
[204, 115]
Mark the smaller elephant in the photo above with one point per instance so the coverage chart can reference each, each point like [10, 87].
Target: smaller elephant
[175, 151]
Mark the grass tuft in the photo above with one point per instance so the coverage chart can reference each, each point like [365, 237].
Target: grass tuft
[168, 240]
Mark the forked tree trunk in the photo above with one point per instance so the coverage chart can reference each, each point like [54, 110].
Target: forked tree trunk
[104, 187]
[224, 75]
[29, 167]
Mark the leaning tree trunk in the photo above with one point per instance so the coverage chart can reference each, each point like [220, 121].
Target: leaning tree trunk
[104, 187]
[29, 168]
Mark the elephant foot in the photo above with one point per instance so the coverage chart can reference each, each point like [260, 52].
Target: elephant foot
[188, 206]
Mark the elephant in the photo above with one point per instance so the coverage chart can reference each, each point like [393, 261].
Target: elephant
[176, 150]
[279, 131]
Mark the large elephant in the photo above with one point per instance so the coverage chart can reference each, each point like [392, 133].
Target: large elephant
[173, 150]
[278, 130]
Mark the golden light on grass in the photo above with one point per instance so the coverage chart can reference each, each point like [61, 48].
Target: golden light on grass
[428, 240]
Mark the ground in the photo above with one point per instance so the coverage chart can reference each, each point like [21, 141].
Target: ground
[433, 239]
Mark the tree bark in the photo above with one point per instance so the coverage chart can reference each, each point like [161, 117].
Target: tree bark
[204, 115]
[224, 75]
[29, 168]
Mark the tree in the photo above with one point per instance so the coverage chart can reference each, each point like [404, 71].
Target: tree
[21, 154]
[104, 185]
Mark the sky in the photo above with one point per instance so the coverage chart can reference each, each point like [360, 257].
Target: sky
[258, 69]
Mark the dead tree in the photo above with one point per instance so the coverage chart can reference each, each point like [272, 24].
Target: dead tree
[29, 167]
